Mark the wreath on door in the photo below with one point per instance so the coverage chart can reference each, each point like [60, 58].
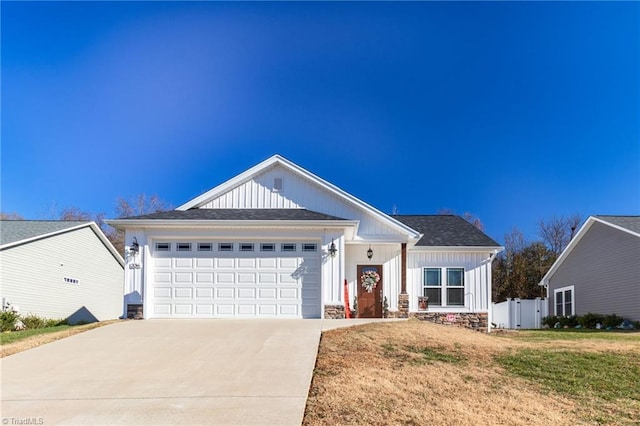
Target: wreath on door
[369, 280]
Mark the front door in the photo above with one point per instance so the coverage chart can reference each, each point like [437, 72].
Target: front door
[369, 285]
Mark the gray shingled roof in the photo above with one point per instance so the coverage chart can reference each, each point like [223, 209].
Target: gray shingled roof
[632, 223]
[446, 230]
[12, 231]
[236, 214]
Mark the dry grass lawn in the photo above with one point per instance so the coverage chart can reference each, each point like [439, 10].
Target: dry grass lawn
[418, 373]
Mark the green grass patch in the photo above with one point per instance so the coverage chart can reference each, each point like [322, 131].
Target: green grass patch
[573, 334]
[606, 376]
[430, 355]
[14, 336]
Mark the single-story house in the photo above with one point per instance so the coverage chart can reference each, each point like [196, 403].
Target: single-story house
[598, 271]
[277, 241]
[60, 270]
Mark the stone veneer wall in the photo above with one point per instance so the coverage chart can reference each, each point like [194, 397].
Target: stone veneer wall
[333, 311]
[474, 321]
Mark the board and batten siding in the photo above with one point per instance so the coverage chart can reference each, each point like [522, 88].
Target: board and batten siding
[477, 276]
[604, 268]
[297, 192]
[33, 277]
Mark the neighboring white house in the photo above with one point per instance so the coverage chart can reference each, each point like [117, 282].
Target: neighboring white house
[60, 269]
[599, 270]
[277, 241]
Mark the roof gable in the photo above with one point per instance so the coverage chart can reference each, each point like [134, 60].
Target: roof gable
[18, 232]
[238, 214]
[254, 188]
[628, 224]
[446, 231]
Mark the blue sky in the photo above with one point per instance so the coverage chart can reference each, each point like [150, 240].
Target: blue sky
[514, 112]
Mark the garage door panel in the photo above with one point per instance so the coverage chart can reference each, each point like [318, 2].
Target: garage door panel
[246, 309]
[266, 293]
[209, 284]
[204, 277]
[183, 309]
[246, 263]
[225, 293]
[204, 263]
[183, 293]
[204, 293]
[204, 309]
[183, 277]
[246, 293]
[246, 278]
[225, 263]
[225, 278]
[268, 263]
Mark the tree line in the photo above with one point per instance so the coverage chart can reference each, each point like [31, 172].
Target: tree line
[521, 266]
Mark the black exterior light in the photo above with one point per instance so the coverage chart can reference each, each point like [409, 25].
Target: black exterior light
[135, 247]
[369, 252]
[332, 249]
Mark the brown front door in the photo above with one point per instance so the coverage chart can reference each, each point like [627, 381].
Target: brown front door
[369, 302]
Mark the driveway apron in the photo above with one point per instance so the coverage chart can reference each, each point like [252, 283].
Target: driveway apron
[221, 372]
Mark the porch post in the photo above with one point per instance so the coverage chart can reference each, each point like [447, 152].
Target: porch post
[403, 298]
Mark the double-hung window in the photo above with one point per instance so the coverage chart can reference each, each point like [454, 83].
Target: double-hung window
[564, 298]
[444, 286]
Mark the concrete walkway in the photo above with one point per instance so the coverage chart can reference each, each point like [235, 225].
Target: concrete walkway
[222, 372]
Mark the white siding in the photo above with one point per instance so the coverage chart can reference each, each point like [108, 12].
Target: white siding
[33, 277]
[477, 275]
[297, 192]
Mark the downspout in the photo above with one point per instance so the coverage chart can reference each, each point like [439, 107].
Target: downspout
[489, 290]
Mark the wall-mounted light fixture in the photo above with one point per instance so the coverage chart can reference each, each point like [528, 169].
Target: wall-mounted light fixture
[135, 247]
[332, 249]
[369, 252]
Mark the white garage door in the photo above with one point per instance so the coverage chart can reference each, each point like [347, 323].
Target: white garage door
[218, 279]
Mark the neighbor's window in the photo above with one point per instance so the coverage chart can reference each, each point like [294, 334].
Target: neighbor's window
[163, 246]
[246, 247]
[455, 286]
[564, 298]
[183, 246]
[225, 247]
[432, 287]
[288, 247]
[310, 247]
[205, 247]
[267, 247]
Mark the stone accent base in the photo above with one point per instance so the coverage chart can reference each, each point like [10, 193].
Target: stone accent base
[403, 306]
[333, 311]
[474, 321]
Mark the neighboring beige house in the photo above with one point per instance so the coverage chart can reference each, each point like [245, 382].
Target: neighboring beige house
[599, 271]
[60, 269]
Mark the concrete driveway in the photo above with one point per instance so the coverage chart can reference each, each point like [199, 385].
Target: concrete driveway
[223, 372]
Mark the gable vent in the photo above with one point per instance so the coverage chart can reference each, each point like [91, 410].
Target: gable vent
[277, 184]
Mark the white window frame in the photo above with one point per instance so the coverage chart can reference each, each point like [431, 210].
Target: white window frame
[183, 246]
[563, 290]
[246, 247]
[444, 286]
[205, 246]
[309, 247]
[225, 247]
[162, 246]
[267, 246]
[289, 247]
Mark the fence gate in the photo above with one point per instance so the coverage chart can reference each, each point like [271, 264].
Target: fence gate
[520, 313]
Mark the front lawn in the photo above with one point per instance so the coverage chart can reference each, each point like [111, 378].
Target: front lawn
[419, 373]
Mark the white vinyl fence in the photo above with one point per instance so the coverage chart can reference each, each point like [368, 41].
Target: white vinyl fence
[520, 313]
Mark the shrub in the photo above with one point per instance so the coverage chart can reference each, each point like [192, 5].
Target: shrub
[612, 320]
[550, 321]
[590, 320]
[7, 320]
[570, 321]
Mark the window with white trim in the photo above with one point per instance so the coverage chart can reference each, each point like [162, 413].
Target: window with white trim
[564, 301]
[309, 247]
[267, 247]
[163, 246]
[225, 246]
[246, 246]
[288, 247]
[205, 247]
[183, 246]
[443, 286]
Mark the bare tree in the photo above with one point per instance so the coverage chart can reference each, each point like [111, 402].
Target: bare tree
[140, 205]
[469, 217]
[74, 213]
[557, 232]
